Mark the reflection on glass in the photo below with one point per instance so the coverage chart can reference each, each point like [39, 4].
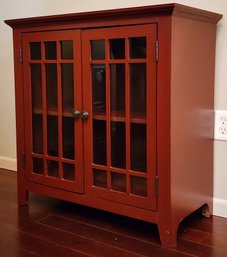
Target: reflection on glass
[35, 51]
[67, 87]
[68, 171]
[50, 50]
[117, 48]
[138, 88]
[138, 147]
[38, 166]
[99, 178]
[98, 49]
[99, 142]
[99, 88]
[52, 135]
[37, 133]
[118, 182]
[138, 186]
[67, 50]
[137, 47]
[68, 137]
[51, 86]
[36, 84]
[52, 169]
[118, 144]
[117, 87]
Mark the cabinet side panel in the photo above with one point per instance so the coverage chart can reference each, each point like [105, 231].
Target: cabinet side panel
[192, 97]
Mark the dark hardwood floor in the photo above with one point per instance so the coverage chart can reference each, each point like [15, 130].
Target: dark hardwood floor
[54, 228]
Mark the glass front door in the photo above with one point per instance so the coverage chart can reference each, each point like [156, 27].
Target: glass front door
[119, 67]
[53, 98]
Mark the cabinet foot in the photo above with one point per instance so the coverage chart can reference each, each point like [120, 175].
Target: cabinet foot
[23, 198]
[168, 237]
[206, 211]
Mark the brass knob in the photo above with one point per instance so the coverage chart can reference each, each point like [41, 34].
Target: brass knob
[76, 114]
[84, 115]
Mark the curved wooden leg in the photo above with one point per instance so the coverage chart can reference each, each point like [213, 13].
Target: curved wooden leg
[168, 236]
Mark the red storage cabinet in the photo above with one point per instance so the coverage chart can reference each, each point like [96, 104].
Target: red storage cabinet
[115, 110]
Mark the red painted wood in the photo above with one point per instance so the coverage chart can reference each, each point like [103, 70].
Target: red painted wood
[180, 87]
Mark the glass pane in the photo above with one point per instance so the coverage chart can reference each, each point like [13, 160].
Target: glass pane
[52, 169]
[137, 47]
[117, 48]
[36, 84]
[98, 49]
[118, 145]
[38, 166]
[138, 147]
[99, 178]
[67, 87]
[138, 186]
[138, 89]
[117, 84]
[37, 131]
[35, 51]
[99, 89]
[67, 50]
[68, 171]
[51, 87]
[68, 137]
[118, 182]
[50, 50]
[52, 135]
[99, 142]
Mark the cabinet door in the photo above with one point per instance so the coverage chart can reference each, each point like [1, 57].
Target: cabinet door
[119, 79]
[52, 95]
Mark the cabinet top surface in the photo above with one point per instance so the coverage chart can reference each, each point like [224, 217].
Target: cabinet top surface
[126, 13]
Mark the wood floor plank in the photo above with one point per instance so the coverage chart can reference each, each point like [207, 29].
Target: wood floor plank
[110, 238]
[49, 227]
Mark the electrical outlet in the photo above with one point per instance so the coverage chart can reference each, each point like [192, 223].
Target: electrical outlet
[220, 125]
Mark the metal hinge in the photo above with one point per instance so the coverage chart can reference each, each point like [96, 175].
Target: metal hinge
[156, 185]
[156, 50]
[23, 160]
[21, 55]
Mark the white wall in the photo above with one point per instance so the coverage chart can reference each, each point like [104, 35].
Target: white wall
[11, 9]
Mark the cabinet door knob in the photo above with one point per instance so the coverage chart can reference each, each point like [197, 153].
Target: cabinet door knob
[76, 114]
[84, 115]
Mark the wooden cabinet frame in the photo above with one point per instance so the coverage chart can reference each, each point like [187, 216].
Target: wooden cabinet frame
[185, 58]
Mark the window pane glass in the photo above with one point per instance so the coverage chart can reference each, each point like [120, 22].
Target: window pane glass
[138, 186]
[51, 87]
[138, 147]
[117, 48]
[37, 132]
[67, 50]
[99, 89]
[36, 84]
[98, 49]
[68, 137]
[35, 51]
[99, 142]
[38, 166]
[52, 169]
[117, 84]
[138, 89]
[50, 50]
[118, 145]
[137, 47]
[68, 171]
[99, 178]
[52, 135]
[118, 182]
[67, 87]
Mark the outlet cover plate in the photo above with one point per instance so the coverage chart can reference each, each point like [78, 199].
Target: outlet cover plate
[220, 125]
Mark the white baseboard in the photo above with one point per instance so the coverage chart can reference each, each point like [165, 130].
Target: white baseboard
[220, 207]
[8, 163]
